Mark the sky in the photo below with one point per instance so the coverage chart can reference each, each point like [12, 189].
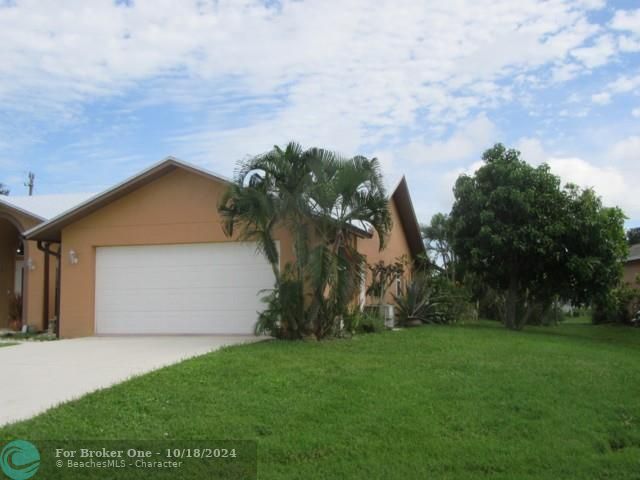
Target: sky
[92, 92]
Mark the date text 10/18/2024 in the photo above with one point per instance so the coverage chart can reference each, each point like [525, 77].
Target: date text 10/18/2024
[167, 454]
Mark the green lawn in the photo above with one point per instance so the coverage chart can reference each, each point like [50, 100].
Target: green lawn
[464, 402]
[7, 344]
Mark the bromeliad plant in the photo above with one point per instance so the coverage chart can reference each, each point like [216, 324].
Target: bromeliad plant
[321, 198]
[430, 299]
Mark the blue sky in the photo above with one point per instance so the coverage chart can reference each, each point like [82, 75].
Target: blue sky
[92, 92]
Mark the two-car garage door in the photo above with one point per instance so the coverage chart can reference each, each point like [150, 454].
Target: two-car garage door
[210, 288]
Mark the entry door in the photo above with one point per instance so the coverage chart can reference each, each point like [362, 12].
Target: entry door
[211, 288]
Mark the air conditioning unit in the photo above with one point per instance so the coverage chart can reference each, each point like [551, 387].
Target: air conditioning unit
[389, 320]
[387, 311]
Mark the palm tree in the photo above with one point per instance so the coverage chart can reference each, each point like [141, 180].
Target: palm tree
[347, 194]
[316, 195]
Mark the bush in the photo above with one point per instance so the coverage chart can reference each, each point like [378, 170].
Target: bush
[546, 315]
[370, 321]
[284, 316]
[429, 299]
[618, 306]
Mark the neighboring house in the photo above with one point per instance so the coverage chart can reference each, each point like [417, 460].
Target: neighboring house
[149, 256]
[632, 265]
[23, 266]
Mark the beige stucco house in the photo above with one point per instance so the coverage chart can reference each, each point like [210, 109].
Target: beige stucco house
[149, 256]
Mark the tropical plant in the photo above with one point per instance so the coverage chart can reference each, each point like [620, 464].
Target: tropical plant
[284, 315]
[424, 299]
[383, 275]
[438, 241]
[322, 199]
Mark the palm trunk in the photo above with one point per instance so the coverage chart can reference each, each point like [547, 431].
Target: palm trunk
[319, 299]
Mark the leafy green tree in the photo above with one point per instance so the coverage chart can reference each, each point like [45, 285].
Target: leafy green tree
[321, 198]
[518, 231]
[438, 240]
[633, 236]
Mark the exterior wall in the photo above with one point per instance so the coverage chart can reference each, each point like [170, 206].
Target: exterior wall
[33, 288]
[8, 241]
[180, 207]
[33, 314]
[631, 271]
[396, 247]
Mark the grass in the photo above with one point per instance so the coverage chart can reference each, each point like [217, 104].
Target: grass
[464, 402]
[38, 337]
[7, 344]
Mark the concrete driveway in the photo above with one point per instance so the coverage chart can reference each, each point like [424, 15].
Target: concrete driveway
[39, 375]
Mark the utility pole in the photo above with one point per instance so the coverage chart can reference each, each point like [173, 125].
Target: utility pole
[30, 182]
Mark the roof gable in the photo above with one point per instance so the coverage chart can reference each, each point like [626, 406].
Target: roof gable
[51, 229]
[402, 199]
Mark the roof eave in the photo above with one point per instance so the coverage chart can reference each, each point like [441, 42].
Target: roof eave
[21, 211]
[404, 203]
[51, 229]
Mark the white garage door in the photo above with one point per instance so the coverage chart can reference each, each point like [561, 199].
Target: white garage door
[210, 288]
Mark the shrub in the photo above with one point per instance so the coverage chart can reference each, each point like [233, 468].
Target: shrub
[618, 306]
[351, 320]
[429, 299]
[370, 322]
[15, 306]
[284, 315]
[546, 315]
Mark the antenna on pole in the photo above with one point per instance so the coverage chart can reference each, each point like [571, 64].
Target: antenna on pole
[31, 177]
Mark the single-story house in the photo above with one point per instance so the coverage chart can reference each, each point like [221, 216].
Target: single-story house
[631, 267]
[149, 256]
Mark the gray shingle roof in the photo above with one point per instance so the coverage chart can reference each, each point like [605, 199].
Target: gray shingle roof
[634, 253]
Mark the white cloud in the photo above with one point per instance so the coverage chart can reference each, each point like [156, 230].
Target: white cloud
[626, 151]
[597, 54]
[623, 84]
[375, 69]
[531, 150]
[615, 188]
[628, 43]
[636, 112]
[464, 143]
[628, 20]
[387, 80]
[613, 181]
[602, 98]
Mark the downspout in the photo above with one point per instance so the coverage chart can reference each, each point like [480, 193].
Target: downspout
[46, 248]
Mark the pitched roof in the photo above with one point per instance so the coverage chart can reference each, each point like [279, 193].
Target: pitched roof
[51, 229]
[402, 199]
[77, 207]
[634, 253]
[44, 207]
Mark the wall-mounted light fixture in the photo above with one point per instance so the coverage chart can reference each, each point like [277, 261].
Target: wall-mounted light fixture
[73, 257]
[31, 265]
